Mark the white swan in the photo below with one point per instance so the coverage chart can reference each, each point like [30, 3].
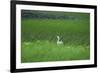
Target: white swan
[59, 41]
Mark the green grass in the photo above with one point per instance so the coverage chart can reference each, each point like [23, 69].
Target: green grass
[40, 51]
[38, 39]
[48, 29]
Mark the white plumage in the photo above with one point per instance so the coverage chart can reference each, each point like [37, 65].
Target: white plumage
[59, 41]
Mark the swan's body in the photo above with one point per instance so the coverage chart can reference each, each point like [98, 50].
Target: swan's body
[59, 41]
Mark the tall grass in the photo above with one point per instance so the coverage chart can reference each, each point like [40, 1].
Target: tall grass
[48, 29]
[40, 51]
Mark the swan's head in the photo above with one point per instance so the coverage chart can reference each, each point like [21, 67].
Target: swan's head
[58, 37]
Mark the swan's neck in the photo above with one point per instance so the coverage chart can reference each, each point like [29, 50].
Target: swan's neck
[58, 38]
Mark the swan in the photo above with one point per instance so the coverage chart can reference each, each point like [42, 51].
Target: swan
[59, 41]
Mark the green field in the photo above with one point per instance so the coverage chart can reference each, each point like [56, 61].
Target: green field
[39, 41]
